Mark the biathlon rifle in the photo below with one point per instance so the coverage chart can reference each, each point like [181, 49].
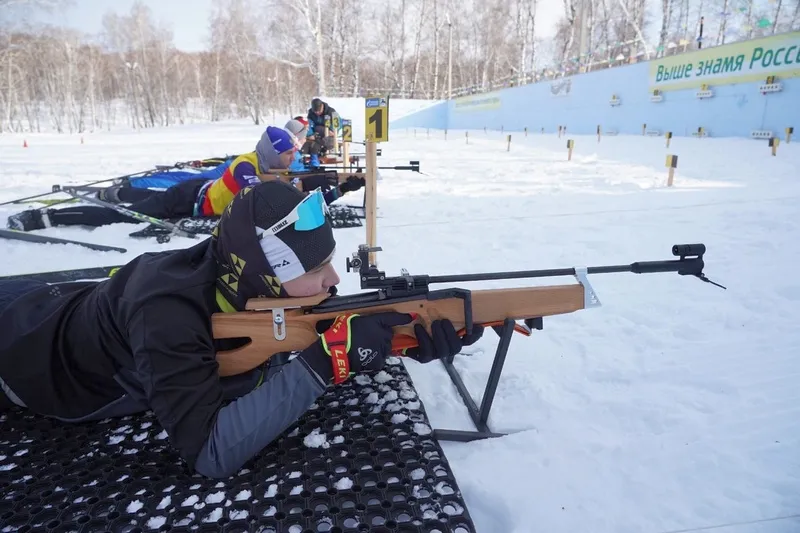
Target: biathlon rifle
[413, 166]
[276, 325]
[333, 177]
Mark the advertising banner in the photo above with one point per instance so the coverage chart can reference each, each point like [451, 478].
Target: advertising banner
[743, 62]
[478, 102]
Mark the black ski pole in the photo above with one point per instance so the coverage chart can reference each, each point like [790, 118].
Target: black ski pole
[57, 188]
[173, 228]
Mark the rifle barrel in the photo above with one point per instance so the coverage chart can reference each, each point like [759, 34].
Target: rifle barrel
[483, 276]
[412, 165]
[682, 266]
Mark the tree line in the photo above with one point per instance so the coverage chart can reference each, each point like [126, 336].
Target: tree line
[273, 56]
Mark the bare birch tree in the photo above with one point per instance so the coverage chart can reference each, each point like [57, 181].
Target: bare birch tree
[795, 23]
[264, 58]
[667, 7]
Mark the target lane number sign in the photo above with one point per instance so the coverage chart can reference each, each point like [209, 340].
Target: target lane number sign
[347, 131]
[377, 119]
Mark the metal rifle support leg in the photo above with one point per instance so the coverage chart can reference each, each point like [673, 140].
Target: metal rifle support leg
[363, 207]
[497, 369]
[480, 417]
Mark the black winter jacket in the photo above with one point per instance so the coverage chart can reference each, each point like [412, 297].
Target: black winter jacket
[142, 340]
[71, 349]
[319, 120]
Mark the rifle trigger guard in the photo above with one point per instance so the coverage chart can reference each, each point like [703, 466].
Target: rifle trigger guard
[279, 324]
[590, 298]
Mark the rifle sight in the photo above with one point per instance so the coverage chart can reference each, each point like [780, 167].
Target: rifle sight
[682, 250]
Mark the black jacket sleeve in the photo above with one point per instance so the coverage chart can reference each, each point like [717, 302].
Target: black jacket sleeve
[175, 363]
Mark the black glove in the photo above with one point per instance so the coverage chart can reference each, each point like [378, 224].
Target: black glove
[445, 341]
[353, 343]
[353, 183]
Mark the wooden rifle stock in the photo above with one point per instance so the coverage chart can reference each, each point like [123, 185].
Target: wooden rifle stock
[488, 307]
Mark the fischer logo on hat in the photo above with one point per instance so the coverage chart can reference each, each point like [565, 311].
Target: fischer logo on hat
[282, 140]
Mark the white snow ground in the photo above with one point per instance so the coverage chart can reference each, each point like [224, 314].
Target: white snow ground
[673, 407]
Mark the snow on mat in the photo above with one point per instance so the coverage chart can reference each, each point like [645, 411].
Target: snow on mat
[360, 459]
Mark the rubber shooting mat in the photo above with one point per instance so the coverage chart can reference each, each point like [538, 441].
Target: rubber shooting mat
[362, 458]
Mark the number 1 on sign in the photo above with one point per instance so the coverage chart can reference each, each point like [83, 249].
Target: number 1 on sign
[377, 119]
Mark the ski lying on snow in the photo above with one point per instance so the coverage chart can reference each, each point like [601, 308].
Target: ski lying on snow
[194, 225]
[17, 235]
[49, 202]
[340, 217]
[83, 188]
[61, 276]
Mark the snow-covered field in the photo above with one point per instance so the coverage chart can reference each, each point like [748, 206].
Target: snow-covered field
[670, 408]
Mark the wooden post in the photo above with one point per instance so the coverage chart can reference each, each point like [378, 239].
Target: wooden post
[789, 132]
[334, 130]
[376, 127]
[570, 146]
[347, 138]
[371, 197]
[668, 135]
[672, 164]
[773, 143]
[509, 144]
[598, 133]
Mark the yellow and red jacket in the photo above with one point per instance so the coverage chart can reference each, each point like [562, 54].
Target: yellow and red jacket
[215, 196]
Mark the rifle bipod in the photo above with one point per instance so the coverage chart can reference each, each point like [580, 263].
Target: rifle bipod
[480, 416]
[406, 286]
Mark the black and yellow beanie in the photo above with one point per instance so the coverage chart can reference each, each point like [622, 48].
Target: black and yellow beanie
[249, 267]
